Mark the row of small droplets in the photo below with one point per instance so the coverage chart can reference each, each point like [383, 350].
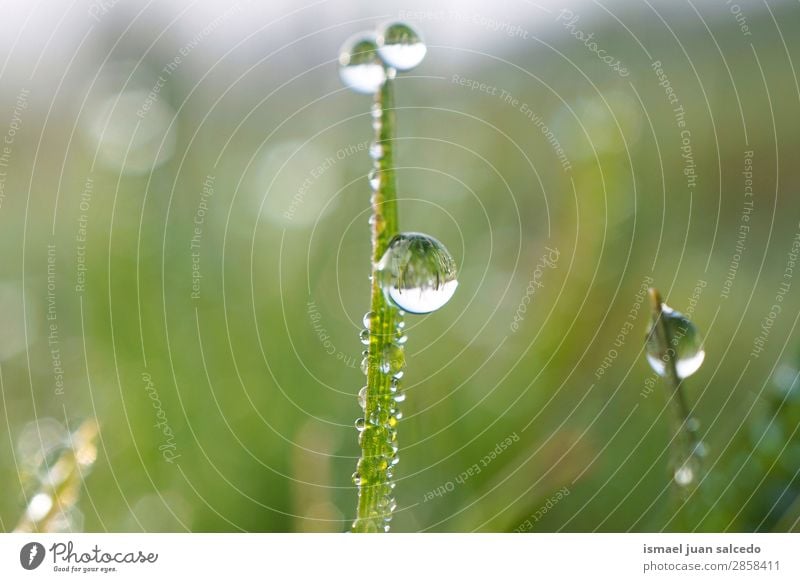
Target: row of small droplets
[379, 425]
[381, 415]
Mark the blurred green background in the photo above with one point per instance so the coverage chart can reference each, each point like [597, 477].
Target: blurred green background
[216, 168]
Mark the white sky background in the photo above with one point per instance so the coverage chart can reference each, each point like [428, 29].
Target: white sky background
[39, 38]
[47, 31]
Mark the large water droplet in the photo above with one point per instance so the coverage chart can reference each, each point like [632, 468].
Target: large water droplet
[400, 46]
[686, 344]
[417, 273]
[362, 397]
[360, 67]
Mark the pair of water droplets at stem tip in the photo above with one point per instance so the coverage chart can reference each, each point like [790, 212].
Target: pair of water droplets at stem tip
[417, 273]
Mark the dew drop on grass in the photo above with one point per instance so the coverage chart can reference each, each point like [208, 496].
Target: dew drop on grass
[392, 360]
[400, 46]
[368, 317]
[374, 178]
[360, 67]
[361, 424]
[364, 336]
[686, 345]
[417, 273]
[362, 398]
[375, 151]
[684, 475]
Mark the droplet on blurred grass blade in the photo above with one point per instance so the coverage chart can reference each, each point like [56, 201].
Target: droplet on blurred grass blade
[417, 273]
[400, 46]
[684, 475]
[686, 344]
[360, 68]
[39, 507]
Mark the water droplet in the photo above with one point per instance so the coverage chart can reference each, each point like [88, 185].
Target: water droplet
[700, 450]
[379, 417]
[684, 475]
[361, 424]
[393, 359]
[400, 397]
[360, 67]
[394, 385]
[362, 397]
[400, 46]
[368, 317]
[374, 178]
[401, 340]
[417, 273]
[376, 151]
[356, 478]
[686, 344]
[365, 366]
[364, 337]
[39, 506]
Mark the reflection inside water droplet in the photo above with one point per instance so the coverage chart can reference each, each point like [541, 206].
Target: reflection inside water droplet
[400, 46]
[360, 67]
[417, 273]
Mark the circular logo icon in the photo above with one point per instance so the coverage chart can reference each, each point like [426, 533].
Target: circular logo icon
[31, 555]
